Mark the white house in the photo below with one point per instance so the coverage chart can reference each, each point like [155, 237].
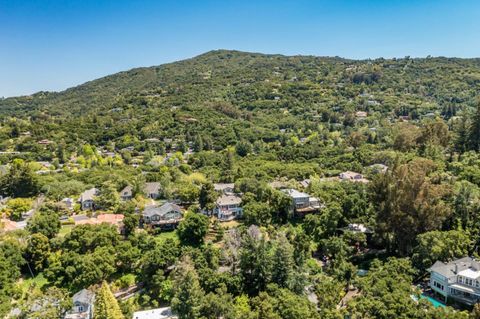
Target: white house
[159, 313]
[228, 207]
[83, 302]
[228, 204]
[458, 280]
[302, 202]
[87, 198]
[226, 188]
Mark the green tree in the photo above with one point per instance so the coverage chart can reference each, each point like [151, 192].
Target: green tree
[109, 198]
[243, 148]
[257, 213]
[442, 246]
[193, 229]
[409, 203]
[130, 223]
[38, 250]
[106, 305]
[188, 295]
[255, 261]
[207, 197]
[45, 222]
[474, 130]
[283, 262]
[20, 180]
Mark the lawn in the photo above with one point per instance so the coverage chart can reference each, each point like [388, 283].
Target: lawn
[65, 230]
[166, 235]
[25, 284]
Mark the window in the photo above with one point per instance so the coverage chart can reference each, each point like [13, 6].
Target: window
[438, 285]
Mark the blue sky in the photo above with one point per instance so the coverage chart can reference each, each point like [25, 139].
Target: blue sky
[53, 45]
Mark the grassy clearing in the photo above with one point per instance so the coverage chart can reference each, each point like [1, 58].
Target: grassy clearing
[65, 230]
[166, 235]
[26, 285]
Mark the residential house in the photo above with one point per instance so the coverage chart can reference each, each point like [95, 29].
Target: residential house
[278, 184]
[305, 183]
[68, 202]
[361, 114]
[126, 193]
[225, 188]
[152, 190]
[228, 207]
[352, 177]
[167, 216]
[458, 280]
[302, 203]
[228, 204]
[159, 313]
[44, 142]
[82, 305]
[87, 199]
[358, 228]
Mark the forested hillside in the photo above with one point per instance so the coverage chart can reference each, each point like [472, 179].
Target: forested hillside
[294, 187]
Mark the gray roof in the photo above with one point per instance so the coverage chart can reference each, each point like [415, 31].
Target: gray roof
[127, 191]
[220, 187]
[293, 193]
[452, 268]
[229, 200]
[78, 218]
[161, 210]
[89, 194]
[152, 188]
[84, 296]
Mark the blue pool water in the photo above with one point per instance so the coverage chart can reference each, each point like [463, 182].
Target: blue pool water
[434, 302]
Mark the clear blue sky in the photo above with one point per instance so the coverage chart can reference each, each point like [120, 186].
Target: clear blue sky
[53, 45]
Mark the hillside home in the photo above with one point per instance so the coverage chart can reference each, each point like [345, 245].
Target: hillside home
[82, 305]
[44, 142]
[151, 190]
[228, 207]
[167, 216]
[302, 203]
[352, 177]
[305, 183]
[159, 313]
[361, 114]
[228, 204]
[225, 188]
[87, 199]
[68, 202]
[126, 193]
[458, 280]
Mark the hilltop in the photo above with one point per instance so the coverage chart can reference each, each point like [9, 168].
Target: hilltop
[222, 93]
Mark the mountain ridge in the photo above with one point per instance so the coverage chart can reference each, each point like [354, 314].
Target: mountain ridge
[231, 68]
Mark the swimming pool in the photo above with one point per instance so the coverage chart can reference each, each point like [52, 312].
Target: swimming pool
[433, 301]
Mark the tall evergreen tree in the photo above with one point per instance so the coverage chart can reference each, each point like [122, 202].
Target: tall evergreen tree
[188, 295]
[106, 306]
[283, 262]
[474, 130]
